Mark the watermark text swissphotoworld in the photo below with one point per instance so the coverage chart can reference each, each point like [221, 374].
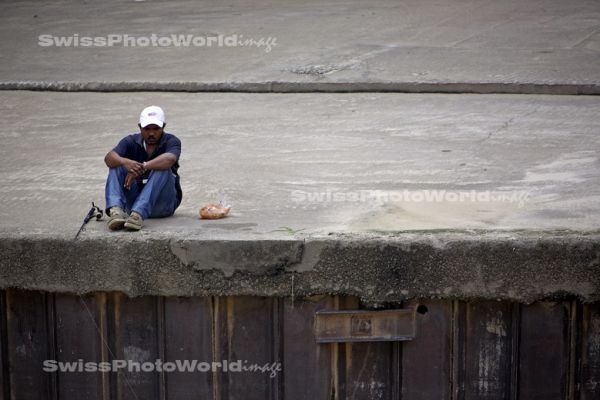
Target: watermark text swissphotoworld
[413, 196]
[235, 366]
[155, 40]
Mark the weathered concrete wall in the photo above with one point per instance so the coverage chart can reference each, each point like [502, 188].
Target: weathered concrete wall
[523, 267]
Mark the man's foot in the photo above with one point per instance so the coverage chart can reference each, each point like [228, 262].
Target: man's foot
[134, 222]
[117, 218]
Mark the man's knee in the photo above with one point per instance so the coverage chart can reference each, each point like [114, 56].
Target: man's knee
[117, 172]
[161, 173]
[161, 176]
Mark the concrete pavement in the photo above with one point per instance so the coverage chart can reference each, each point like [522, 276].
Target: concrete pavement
[544, 46]
[318, 162]
[345, 193]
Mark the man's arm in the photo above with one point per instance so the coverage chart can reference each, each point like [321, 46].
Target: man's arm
[114, 160]
[168, 158]
[162, 162]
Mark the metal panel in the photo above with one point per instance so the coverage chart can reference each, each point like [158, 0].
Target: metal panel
[367, 370]
[590, 357]
[427, 361]
[135, 337]
[29, 343]
[188, 336]
[371, 370]
[80, 335]
[4, 365]
[246, 331]
[544, 351]
[302, 356]
[488, 349]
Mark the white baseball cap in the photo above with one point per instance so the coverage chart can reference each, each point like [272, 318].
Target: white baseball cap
[152, 115]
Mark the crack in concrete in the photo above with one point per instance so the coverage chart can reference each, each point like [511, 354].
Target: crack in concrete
[319, 70]
[324, 69]
[583, 41]
[507, 123]
[488, 29]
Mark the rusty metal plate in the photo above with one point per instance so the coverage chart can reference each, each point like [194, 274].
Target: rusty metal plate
[331, 326]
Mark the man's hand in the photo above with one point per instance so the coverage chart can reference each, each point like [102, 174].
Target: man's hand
[113, 160]
[134, 167]
[129, 179]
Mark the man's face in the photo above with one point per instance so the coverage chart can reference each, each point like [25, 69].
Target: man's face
[151, 133]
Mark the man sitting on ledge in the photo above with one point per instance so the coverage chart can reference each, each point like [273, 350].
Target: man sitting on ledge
[142, 179]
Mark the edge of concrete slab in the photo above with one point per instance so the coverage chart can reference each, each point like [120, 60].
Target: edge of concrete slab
[514, 266]
[307, 87]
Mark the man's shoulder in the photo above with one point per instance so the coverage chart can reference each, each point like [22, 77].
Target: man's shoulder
[127, 143]
[169, 137]
[134, 137]
[131, 138]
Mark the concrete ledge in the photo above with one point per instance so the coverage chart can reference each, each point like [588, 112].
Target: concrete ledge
[522, 267]
[308, 87]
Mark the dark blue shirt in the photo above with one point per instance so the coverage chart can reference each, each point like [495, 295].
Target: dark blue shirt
[132, 147]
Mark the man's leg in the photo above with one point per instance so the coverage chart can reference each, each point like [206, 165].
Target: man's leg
[158, 198]
[115, 192]
[118, 198]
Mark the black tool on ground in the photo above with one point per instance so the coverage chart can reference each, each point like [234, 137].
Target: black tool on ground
[95, 211]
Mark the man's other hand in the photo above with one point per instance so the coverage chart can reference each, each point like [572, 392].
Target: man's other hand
[129, 179]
